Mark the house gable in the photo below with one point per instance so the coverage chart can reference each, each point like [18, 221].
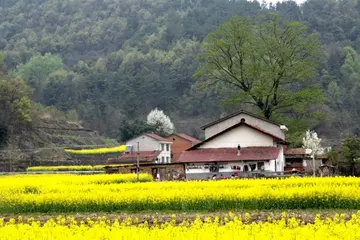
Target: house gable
[242, 135]
[179, 144]
[248, 136]
[220, 125]
[146, 143]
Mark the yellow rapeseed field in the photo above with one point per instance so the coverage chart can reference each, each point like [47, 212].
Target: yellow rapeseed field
[95, 151]
[71, 168]
[232, 227]
[103, 193]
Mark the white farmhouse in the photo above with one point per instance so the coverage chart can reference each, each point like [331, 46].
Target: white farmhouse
[237, 144]
[152, 149]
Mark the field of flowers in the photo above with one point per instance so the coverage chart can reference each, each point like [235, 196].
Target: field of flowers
[232, 227]
[103, 193]
[95, 151]
[71, 168]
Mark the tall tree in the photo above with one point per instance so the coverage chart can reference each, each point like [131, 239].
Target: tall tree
[15, 106]
[350, 150]
[269, 61]
[37, 70]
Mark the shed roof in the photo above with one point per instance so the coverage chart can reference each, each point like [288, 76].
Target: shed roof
[229, 154]
[144, 156]
[186, 137]
[295, 151]
[156, 137]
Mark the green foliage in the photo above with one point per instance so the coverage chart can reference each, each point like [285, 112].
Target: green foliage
[37, 71]
[15, 102]
[350, 150]
[72, 116]
[129, 130]
[270, 62]
[114, 61]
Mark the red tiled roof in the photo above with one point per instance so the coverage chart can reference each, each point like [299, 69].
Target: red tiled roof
[156, 137]
[295, 151]
[229, 154]
[144, 156]
[187, 137]
[235, 126]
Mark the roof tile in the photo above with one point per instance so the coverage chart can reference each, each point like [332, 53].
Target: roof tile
[188, 138]
[144, 156]
[156, 137]
[229, 154]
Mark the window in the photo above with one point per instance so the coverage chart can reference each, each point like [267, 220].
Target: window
[162, 147]
[167, 160]
[252, 167]
[261, 166]
[154, 172]
[167, 147]
[162, 159]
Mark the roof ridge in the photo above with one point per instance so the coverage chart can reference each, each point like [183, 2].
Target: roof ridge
[235, 114]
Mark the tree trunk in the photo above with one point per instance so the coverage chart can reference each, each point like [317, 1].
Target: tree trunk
[353, 167]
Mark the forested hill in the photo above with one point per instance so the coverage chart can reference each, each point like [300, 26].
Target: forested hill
[114, 60]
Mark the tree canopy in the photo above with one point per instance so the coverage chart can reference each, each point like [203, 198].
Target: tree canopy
[269, 60]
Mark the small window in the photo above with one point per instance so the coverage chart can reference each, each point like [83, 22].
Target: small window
[252, 167]
[167, 147]
[162, 147]
[162, 159]
[261, 166]
[167, 160]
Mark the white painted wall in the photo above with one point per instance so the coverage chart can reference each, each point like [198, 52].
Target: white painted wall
[243, 135]
[146, 143]
[280, 161]
[266, 126]
[268, 166]
[149, 144]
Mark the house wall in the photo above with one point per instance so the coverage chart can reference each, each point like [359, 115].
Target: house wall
[145, 143]
[178, 146]
[202, 170]
[243, 135]
[266, 126]
[280, 161]
[149, 144]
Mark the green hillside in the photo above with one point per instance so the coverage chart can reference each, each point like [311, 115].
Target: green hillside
[113, 61]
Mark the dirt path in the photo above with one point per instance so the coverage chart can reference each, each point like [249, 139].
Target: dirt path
[255, 216]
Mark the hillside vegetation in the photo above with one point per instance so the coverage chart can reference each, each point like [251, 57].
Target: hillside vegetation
[110, 62]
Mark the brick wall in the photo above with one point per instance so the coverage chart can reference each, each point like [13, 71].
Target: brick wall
[179, 145]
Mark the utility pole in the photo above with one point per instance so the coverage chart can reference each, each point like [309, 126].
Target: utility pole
[137, 160]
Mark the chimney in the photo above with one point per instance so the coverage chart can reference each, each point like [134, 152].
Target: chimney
[238, 150]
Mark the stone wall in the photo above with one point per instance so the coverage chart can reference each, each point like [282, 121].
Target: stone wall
[166, 171]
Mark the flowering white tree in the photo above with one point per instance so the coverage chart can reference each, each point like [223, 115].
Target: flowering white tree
[313, 142]
[162, 122]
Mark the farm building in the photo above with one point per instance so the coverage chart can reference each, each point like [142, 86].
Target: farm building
[152, 148]
[237, 144]
[180, 142]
